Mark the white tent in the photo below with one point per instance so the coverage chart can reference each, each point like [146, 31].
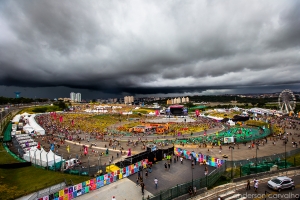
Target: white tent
[27, 127]
[53, 158]
[25, 114]
[14, 127]
[215, 118]
[231, 123]
[41, 157]
[37, 128]
[16, 119]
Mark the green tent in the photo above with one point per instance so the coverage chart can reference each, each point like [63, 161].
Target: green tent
[7, 133]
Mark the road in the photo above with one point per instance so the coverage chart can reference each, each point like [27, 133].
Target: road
[264, 192]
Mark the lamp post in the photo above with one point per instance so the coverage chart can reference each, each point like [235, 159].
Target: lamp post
[256, 158]
[192, 176]
[285, 141]
[47, 159]
[231, 147]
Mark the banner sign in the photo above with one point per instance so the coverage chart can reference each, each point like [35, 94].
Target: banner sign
[209, 160]
[74, 191]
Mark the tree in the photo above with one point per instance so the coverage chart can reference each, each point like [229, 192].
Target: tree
[189, 104]
[62, 105]
[261, 104]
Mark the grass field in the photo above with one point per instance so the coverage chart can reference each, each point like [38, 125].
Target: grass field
[19, 182]
[15, 183]
[5, 158]
[41, 109]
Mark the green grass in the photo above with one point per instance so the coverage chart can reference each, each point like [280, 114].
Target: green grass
[41, 109]
[5, 157]
[27, 180]
[15, 183]
[295, 160]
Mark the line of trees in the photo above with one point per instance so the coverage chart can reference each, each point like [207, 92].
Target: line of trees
[21, 100]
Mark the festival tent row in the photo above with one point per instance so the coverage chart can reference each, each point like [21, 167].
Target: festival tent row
[16, 119]
[37, 128]
[215, 118]
[231, 123]
[41, 157]
[27, 128]
[25, 114]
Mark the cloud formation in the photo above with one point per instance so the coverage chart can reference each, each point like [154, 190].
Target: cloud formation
[149, 47]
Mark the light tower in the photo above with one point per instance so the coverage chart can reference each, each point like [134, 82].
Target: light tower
[17, 94]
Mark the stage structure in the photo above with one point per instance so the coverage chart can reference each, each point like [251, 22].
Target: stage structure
[177, 110]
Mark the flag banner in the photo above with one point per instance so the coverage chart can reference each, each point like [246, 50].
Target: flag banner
[209, 160]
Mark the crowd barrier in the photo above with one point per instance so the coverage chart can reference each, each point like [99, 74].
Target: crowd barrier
[12, 154]
[209, 160]
[77, 190]
[204, 182]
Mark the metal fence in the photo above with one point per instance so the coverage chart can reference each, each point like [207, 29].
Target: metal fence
[238, 163]
[49, 190]
[182, 189]
[263, 177]
[212, 178]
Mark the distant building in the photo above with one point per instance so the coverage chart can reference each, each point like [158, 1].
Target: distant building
[128, 99]
[121, 100]
[78, 97]
[178, 100]
[72, 96]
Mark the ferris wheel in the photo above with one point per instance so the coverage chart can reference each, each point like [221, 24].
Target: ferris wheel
[286, 101]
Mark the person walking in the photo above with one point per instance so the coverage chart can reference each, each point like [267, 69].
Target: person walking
[205, 171]
[155, 182]
[193, 164]
[143, 187]
[166, 166]
[137, 181]
[256, 186]
[146, 173]
[248, 185]
[181, 160]
[169, 166]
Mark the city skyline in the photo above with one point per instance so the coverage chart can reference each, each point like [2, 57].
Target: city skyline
[146, 48]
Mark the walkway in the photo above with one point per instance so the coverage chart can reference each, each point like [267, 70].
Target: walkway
[126, 188]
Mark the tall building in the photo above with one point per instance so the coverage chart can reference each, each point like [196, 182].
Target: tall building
[178, 100]
[78, 97]
[72, 96]
[128, 99]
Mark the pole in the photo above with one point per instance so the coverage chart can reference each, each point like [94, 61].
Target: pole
[47, 159]
[231, 147]
[256, 159]
[285, 153]
[241, 171]
[193, 177]
[89, 164]
[35, 157]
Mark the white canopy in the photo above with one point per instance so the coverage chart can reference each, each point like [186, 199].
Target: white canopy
[37, 128]
[16, 119]
[41, 157]
[231, 123]
[25, 114]
[215, 118]
[27, 127]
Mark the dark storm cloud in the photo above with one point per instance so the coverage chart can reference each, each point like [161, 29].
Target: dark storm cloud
[142, 47]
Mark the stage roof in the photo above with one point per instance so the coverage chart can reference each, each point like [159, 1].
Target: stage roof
[176, 106]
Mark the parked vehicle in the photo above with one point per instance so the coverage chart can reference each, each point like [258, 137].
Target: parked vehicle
[280, 183]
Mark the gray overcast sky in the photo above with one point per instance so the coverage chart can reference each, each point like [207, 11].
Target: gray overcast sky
[114, 48]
